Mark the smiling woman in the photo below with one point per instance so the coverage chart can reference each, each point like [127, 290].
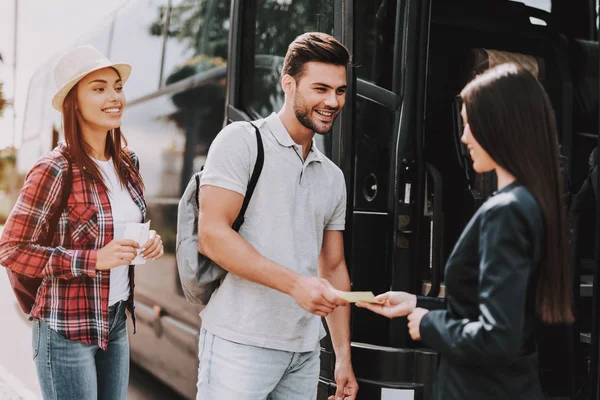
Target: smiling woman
[482, 162]
[66, 235]
[96, 106]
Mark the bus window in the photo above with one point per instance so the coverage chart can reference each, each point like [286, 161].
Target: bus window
[37, 102]
[197, 40]
[373, 125]
[101, 39]
[179, 121]
[375, 26]
[540, 4]
[135, 41]
[275, 25]
[544, 5]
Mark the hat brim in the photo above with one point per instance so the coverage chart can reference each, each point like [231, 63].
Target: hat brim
[123, 69]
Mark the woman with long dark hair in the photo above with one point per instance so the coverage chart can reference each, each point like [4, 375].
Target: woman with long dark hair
[74, 239]
[509, 267]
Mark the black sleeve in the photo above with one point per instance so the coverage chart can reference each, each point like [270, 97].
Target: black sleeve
[431, 303]
[504, 270]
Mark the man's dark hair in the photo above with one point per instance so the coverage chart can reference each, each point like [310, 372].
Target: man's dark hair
[314, 47]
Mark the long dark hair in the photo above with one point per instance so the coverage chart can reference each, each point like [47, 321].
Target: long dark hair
[511, 117]
[79, 150]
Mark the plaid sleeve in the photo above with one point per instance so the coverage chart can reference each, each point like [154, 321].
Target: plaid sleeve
[28, 222]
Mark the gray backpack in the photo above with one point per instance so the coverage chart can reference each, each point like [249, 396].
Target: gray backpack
[199, 275]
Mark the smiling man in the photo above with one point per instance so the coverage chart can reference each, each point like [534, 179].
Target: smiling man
[261, 329]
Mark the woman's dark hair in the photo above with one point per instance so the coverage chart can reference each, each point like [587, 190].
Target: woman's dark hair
[79, 150]
[511, 117]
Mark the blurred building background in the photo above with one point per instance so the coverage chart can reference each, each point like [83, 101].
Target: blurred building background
[37, 33]
[10, 181]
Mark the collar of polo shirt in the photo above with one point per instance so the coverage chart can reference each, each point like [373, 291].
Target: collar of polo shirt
[284, 139]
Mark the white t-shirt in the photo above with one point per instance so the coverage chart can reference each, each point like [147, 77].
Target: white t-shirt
[124, 210]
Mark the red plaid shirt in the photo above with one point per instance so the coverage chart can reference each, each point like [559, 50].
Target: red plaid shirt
[73, 297]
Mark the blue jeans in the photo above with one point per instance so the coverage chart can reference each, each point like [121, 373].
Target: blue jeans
[230, 370]
[69, 370]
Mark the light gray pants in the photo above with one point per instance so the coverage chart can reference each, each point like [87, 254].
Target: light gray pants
[236, 371]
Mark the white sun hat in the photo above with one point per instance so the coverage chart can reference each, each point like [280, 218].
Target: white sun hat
[75, 65]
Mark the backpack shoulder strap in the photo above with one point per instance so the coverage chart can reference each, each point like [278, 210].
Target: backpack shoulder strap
[66, 189]
[260, 160]
[197, 180]
[64, 198]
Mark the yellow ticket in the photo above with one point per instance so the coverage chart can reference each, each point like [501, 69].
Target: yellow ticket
[353, 297]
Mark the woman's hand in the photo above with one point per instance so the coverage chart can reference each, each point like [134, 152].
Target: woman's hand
[117, 252]
[393, 304]
[153, 249]
[414, 323]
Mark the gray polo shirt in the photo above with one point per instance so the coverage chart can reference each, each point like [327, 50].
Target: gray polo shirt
[294, 201]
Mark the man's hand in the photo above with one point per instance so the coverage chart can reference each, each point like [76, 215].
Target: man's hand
[393, 304]
[315, 296]
[347, 387]
[414, 323]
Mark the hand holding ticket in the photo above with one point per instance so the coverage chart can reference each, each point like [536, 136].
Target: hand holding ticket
[393, 304]
[353, 297]
[139, 233]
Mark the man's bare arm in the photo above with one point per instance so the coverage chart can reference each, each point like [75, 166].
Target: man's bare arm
[218, 241]
[332, 267]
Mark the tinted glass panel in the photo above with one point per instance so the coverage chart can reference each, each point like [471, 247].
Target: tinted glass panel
[171, 135]
[137, 42]
[101, 39]
[198, 38]
[275, 26]
[38, 104]
[541, 4]
[374, 128]
[374, 33]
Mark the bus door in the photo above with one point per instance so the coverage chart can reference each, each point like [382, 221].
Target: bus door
[557, 42]
[389, 43]
[584, 210]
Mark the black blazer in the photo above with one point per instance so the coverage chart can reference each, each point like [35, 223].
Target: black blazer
[484, 331]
